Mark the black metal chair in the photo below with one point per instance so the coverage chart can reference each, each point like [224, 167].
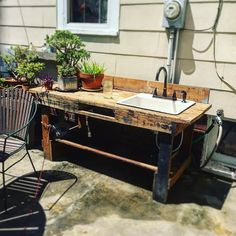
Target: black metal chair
[17, 110]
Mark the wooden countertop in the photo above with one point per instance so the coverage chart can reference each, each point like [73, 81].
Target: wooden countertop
[76, 102]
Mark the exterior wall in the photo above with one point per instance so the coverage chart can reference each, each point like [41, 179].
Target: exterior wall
[141, 46]
[25, 21]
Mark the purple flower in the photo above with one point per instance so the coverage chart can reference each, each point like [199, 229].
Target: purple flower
[47, 81]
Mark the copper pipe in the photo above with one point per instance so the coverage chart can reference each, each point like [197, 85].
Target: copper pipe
[107, 154]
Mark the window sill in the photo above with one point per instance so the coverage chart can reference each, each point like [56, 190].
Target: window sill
[95, 31]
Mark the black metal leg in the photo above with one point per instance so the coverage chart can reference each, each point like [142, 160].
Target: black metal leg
[161, 177]
[4, 187]
[31, 160]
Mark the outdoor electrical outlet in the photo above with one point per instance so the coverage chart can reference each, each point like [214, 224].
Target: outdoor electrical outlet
[174, 13]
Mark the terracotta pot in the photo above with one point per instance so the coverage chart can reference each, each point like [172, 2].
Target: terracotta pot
[90, 81]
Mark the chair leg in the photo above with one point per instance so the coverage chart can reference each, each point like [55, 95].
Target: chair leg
[31, 160]
[4, 187]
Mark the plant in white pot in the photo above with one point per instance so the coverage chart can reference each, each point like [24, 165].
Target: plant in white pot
[70, 52]
[91, 75]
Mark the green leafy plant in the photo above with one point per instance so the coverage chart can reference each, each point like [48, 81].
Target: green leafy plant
[70, 52]
[23, 63]
[92, 68]
[2, 81]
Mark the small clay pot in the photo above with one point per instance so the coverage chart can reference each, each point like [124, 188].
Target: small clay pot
[90, 81]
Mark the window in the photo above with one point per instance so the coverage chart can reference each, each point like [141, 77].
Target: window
[100, 17]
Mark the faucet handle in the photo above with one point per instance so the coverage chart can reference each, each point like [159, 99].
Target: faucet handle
[184, 95]
[174, 97]
[154, 94]
[183, 92]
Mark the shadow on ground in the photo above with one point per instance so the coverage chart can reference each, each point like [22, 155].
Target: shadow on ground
[201, 188]
[25, 215]
[193, 187]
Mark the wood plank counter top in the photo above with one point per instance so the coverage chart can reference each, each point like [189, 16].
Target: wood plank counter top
[77, 101]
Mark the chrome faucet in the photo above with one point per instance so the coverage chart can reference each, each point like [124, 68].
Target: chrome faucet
[164, 93]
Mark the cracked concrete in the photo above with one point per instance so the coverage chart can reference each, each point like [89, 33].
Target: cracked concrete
[80, 201]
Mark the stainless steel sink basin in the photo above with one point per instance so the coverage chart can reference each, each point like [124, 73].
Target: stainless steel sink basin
[146, 101]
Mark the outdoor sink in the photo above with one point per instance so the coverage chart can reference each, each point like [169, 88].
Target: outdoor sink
[147, 101]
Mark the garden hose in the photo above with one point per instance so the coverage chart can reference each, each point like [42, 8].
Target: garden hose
[217, 121]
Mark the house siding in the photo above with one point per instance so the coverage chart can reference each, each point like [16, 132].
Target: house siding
[141, 46]
[25, 21]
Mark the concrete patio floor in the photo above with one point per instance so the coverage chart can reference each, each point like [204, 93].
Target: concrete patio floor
[83, 199]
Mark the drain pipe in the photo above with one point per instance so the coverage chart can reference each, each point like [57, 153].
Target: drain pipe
[173, 69]
[170, 53]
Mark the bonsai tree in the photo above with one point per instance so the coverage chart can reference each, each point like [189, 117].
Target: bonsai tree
[23, 64]
[70, 52]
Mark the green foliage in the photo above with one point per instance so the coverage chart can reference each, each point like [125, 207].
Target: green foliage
[92, 68]
[23, 63]
[28, 70]
[70, 51]
[66, 70]
[2, 80]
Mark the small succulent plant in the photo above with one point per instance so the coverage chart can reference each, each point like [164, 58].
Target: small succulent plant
[92, 68]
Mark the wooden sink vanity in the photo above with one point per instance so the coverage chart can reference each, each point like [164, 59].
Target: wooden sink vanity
[94, 105]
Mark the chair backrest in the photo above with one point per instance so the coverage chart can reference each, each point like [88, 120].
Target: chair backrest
[17, 109]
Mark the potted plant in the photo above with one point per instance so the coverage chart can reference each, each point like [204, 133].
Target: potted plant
[2, 80]
[47, 82]
[70, 52]
[91, 75]
[23, 64]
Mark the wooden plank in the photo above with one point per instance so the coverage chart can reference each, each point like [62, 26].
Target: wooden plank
[46, 142]
[161, 178]
[179, 172]
[139, 119]
[133, 85]
[72, 102]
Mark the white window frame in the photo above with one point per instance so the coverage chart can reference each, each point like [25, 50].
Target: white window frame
[109, 28]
